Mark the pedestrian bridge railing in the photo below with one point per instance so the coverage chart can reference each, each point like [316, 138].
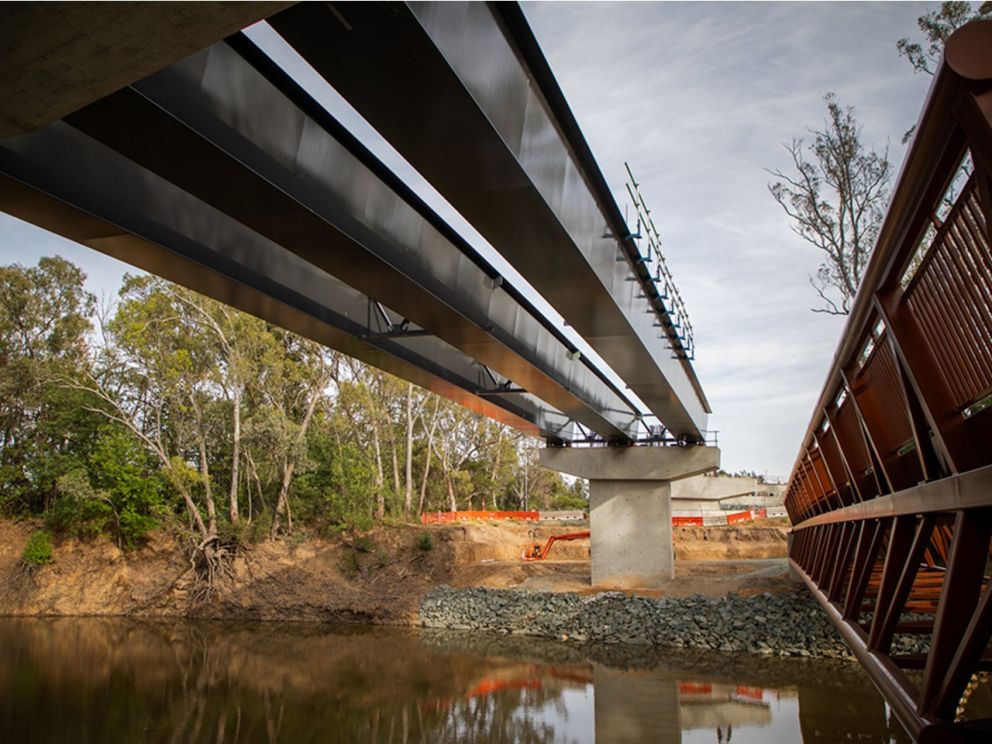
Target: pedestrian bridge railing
[891, 494]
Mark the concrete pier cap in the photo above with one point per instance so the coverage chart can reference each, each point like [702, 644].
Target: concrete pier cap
[630, 506]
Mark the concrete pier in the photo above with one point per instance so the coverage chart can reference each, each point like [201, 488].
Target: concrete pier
[630, 506]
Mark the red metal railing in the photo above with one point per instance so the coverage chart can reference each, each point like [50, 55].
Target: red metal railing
[891, 494]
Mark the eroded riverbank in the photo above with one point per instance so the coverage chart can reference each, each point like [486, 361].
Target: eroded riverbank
[378, 577]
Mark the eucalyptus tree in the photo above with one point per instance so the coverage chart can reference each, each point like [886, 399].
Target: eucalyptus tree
[937, 26]
[835, 197]
[44, 320]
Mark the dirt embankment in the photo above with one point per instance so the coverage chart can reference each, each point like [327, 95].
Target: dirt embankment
[378, 577]
[747, 542]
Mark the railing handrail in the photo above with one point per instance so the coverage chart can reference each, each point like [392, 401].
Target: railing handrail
[936, 140]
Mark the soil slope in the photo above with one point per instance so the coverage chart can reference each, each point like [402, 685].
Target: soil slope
[379, 577]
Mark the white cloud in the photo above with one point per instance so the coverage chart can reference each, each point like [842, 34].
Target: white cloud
[699, 97]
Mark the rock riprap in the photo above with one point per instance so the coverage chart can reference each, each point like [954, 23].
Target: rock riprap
[784, 624]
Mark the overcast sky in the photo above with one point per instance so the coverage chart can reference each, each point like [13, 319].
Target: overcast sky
[699, 98]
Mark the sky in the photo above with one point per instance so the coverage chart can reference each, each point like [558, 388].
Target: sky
[699, 99]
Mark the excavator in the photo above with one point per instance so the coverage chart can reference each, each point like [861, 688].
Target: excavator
[539, 552]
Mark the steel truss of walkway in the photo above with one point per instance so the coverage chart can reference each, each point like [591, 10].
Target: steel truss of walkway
[891, 495]
[221, 172]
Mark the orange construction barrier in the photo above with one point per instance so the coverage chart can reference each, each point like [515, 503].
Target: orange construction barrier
[744, 516]
[460, 516]
[693, 521]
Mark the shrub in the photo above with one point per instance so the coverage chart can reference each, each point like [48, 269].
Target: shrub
[38, 550]
[363, 544]
[79, 510]
[424, 542]
[349, 564]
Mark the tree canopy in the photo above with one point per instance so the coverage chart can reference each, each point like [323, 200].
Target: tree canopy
[937, 26]
[169, 408]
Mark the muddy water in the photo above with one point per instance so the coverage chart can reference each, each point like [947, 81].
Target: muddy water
[98, 680]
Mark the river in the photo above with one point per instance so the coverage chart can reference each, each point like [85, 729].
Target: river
[115, 680]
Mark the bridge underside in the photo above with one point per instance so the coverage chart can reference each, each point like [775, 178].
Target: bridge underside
[222, 173]
[891, 496]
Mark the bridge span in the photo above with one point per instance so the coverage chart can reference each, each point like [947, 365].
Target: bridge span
[166, 137]
[891, 494]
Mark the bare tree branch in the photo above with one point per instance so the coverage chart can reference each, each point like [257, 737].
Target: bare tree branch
[836, 200]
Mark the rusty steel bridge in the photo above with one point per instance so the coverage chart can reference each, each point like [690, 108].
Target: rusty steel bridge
[891, 494]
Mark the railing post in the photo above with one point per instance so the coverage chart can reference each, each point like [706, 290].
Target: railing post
[959, 449]
[882, 479]
[831, 417]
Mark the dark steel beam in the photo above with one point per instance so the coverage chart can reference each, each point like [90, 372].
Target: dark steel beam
[462, 91]
[56, 57]
[63, 181]
[252, 145]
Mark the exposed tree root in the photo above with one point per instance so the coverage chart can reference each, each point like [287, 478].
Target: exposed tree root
[212, 566]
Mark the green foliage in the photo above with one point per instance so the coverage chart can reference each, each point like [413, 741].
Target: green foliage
[363, 544]
[937, 26]
[569, 501]
[335, 491]
[78, 510]
[44, 317]
[116, 432]
[38, 550]
[124, 474]
[425, 542]
[120, 493]
[349, 564]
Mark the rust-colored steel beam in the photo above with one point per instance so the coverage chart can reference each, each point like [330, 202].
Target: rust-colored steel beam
[830, 414]
[887, 616]
[891, 493]
[958, 600]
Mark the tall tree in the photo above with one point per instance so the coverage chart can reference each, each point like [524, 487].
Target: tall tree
[836, 199]
[44, 319]
[937, 26]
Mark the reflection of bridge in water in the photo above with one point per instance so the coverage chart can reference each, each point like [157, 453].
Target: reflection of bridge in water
[236, 682]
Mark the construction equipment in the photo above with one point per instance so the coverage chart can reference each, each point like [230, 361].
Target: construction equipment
[539, 552]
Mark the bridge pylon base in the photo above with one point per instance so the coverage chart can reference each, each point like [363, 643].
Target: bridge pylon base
[630, 506]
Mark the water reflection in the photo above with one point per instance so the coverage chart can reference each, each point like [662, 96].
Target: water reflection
[95, 680]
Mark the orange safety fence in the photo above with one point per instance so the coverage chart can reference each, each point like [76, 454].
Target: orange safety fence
[695, 688]
[744, 516]
[752, 693]
[533, 516]
[445, 517]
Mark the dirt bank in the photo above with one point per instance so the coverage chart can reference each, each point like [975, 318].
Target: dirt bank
[379, 577]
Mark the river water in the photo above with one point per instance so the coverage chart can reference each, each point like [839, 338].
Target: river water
[103, 681]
